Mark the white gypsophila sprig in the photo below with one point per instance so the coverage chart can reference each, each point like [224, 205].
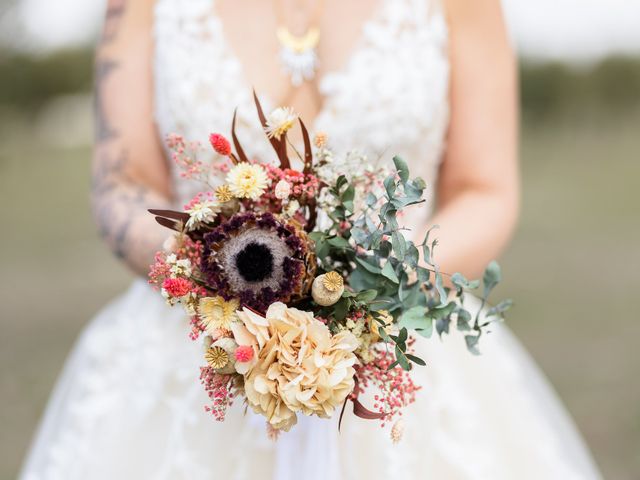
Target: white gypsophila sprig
[181, 268]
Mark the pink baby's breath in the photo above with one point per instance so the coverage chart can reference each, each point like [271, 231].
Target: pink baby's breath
[218, 388]
[159, 270]
[184, 154]
[396, 387]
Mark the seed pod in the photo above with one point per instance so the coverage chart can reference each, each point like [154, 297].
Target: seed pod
[327, 288]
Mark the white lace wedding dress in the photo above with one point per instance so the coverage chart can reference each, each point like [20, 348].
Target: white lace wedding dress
[129, 404]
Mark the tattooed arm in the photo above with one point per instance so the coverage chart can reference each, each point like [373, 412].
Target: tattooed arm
[130, 173]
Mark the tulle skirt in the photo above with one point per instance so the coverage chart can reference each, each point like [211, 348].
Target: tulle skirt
[129, 405]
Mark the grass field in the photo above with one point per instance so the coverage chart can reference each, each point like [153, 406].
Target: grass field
[572, 270]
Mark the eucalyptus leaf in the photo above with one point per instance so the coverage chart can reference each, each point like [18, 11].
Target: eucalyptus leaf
[361, 237]
[426, 235]
[349, 194]
[424, 274]
[472, 343]
[390, 186]
[402, 290]
[361, 279]
[384, 248]
[416, 319]
[368, 266]
[349, 206]
[419, 183]
[442, 325]
[375, 239]
[440, 288]
[402, 359]
[338, 242]
[384, 335]
[413, 295]
[499, 309]
[492, 276]
[441, 312]
[463, 320]
[399, 245]
[416, 360]
[402, 337]
[461, 282]
[341, 309]
[367, 296]
[402, 168]
[415, 188]
[390, 217]
[412, 256]
[389, 272]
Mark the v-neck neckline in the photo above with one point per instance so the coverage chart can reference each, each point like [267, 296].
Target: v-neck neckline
[342, 70]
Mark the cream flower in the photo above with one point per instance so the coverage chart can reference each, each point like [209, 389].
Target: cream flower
[247, 181]
[283, 190]
[300, 366]
[292, 208]
[202, 212]
[280, 121]
[217, 314]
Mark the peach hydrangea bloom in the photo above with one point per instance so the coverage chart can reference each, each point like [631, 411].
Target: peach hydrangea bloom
[299, 367]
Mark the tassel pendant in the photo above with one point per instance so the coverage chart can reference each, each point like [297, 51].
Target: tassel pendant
[298, 54]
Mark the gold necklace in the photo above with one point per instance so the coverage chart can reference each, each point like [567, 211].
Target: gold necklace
[298, 54]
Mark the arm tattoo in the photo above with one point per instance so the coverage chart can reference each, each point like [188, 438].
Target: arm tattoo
[119, 201]
[104, 130]
[115, 11]
[120, 209]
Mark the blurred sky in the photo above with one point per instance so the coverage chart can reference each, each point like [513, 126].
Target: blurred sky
[564, 29]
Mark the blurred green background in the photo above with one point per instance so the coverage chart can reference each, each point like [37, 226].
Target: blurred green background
[570, 267]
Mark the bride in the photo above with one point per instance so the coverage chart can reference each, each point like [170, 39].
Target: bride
[433, 82]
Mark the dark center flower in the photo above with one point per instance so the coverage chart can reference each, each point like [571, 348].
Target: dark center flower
[255, 262]
[258, 259]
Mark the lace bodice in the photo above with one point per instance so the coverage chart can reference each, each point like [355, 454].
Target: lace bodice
[390, 98]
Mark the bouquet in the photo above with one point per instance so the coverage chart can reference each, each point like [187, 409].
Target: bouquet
[301, 284]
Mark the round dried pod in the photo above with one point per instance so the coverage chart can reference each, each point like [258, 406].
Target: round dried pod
[221, 355]
[327, 288]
